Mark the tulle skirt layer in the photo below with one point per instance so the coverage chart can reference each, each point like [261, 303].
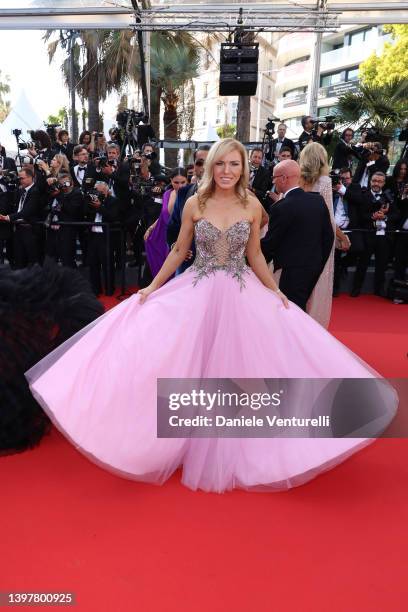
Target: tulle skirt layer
[100, 387]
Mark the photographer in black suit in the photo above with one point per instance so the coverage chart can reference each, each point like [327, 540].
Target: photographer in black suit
[259, 177]
[345, 150]
[101, 207]
[6, 163]
[379, 214]
[63, 145]
[66, 205]
[372, 160]
[29, 210]
[313, 131]
[300, 235]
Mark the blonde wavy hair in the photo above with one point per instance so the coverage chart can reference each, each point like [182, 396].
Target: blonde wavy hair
[63, 165]
[313, 163]
[207, 185]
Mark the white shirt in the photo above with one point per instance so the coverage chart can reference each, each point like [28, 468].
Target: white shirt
[21, 202]
[289, 190]
[79, 177]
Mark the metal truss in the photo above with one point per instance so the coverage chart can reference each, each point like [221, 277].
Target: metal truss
[261, 17]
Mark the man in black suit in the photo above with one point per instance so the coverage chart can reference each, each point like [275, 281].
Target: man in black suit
[372, 160]
[102, 208]
[280, 142]
[300, 235]
[378, 214]
[6, 163]
[313, 132]
[259, 177]
[29, 210]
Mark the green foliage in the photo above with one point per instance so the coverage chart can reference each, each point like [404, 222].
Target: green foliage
[61, 117]
[392, 63]
[4, 104]
[384, 107]
[227, 131]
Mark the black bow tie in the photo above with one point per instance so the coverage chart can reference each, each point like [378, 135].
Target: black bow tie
[81, 169]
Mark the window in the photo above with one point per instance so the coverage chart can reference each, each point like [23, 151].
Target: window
[298, 60]
[205, 90]
[292, 93]
[331, 79]
[325, 111]
[269, 92]
[357, 38]
[270, 65]
[294, 124]
[204, 115]
[220, 108]
[352, 74]
[234, 107]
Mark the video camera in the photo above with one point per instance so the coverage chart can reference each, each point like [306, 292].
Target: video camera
[129, 118]
[50, 129]
[327, 124]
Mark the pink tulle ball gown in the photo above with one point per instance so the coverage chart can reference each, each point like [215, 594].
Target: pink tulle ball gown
[217, 320]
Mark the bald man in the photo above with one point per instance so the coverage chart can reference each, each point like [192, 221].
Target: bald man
[300, 235]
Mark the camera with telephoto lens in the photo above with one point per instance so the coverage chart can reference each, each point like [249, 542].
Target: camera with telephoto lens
[139, 184]
[9, 179]
[57, 186]
[93, 195]
[104, 161]
[335, 177]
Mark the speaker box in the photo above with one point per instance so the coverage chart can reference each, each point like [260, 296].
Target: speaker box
[238, 69]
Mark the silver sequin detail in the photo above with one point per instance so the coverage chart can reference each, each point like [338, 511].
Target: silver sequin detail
[221, 250]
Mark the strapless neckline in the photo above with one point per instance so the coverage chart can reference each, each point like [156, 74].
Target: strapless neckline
[220, 230]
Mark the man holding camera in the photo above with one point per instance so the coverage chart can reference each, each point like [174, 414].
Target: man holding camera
[66, 206]
[372, 160]
[378, 214]
[313, 131]
[102, 207]
[29, 210]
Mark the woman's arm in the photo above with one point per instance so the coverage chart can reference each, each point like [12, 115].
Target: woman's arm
[178, 253]
[256, 259]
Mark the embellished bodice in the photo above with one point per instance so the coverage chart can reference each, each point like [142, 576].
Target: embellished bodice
[221, 249]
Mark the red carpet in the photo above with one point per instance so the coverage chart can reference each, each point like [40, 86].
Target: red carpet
[337, 543]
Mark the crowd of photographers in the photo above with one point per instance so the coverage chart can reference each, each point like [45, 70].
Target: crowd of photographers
[370, 204]
[92, 193]
[61, 189]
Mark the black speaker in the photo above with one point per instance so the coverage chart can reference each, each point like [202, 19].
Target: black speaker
[238, 69]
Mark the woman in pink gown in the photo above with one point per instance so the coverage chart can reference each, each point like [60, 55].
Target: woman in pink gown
[219, 319]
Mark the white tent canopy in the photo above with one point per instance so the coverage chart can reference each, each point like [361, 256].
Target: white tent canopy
[22, 116]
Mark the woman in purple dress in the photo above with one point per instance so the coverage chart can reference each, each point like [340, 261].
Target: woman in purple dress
[155, 236]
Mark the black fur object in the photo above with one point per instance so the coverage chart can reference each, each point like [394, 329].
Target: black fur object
[39, 309]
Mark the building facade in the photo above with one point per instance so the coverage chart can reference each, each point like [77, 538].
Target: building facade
[213, 111]
[342, 53]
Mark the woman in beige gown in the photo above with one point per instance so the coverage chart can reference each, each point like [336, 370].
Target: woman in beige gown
[314, 170]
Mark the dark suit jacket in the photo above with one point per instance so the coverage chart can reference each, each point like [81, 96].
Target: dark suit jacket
[367, 205]
[109, 211]
[287, 142]
[300, 233]
[72, 206]
[9, 163]
[380, 165]
[33, 209]
[262, 183]
[342, 155]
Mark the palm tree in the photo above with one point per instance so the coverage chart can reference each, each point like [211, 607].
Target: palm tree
[384, 107]
[4, 104]
[173, 64]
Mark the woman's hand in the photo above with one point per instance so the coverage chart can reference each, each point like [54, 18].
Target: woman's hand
[144, 294]
[147, 233]
[283, 298]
